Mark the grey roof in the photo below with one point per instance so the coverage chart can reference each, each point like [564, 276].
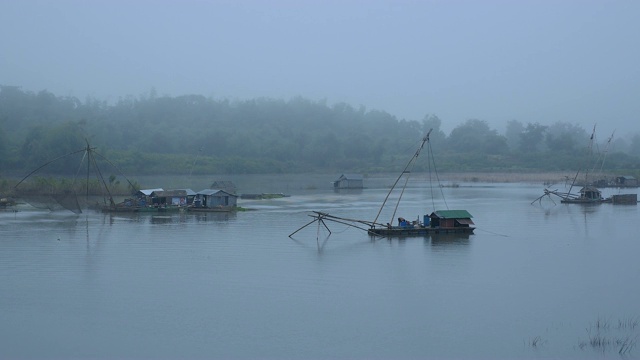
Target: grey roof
[170, 193]
[148, 192]
[209, 192]
[351, 176]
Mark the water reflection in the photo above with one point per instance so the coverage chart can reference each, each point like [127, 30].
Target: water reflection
[213, 216]
[455, 239]
[448, 240]
[172, 218]
[166, 219]
[348, 191]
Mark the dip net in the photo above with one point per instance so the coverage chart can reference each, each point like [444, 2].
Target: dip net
[66, 193]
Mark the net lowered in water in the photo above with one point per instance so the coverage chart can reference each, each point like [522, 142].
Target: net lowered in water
[46, 193]
[66, 200]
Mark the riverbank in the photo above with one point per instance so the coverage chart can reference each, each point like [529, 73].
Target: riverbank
[508, 177]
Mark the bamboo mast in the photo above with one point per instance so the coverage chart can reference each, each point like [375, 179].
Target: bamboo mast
[411, 161]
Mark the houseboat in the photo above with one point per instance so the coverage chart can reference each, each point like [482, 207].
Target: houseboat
[438, 222]
[213, 200]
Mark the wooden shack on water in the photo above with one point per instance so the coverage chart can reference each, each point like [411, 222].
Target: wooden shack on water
[169, 198]
[626, 181]
[214, 200]
[349, 181]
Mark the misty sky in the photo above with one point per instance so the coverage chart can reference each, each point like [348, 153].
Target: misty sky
[532, 61]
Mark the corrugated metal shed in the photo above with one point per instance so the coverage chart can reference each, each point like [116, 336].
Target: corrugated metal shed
[209, 192]
[213, 198]
[349, 181]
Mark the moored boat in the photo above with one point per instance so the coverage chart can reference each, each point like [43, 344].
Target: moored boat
[439, 222]
[589, 194]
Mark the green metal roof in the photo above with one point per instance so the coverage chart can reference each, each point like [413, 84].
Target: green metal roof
[453, 214]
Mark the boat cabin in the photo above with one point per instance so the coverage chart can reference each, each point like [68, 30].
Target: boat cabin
[590, 193]
[449, 219]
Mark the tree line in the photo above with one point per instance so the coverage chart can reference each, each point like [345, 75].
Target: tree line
[151, 134]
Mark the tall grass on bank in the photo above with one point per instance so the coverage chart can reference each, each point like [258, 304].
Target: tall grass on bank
[50, 186]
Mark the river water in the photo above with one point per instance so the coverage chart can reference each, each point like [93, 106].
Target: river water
[542, 280]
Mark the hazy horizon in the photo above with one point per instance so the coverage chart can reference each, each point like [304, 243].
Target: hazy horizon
[531, 61]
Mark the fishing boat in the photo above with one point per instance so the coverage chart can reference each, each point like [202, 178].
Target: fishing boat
[588, 194]
[445, 221]
[438, 222]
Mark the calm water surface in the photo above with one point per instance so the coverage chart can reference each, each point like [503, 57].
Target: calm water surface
[534, 281]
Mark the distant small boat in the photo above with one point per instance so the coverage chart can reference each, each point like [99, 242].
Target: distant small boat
[586, 195]
[589, 194]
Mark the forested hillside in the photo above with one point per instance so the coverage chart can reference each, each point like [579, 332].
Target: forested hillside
[163, 135]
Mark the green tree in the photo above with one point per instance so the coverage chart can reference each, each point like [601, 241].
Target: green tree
[532, 138]
[44, 144]
[438, 138]
[512, 133]
[634, 145]
[3, 146]
[476, 136]
[566, 138]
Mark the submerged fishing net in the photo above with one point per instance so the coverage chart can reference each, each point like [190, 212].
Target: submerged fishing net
[46, 193]
[52, 202]
[68, 201]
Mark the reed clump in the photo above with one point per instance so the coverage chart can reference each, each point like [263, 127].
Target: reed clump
[536, 342]
[605, 338]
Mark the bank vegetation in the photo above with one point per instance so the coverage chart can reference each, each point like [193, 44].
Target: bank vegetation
[193, 134]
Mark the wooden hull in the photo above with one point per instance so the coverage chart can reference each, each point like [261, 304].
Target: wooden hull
[398, 231]
[585, 201]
